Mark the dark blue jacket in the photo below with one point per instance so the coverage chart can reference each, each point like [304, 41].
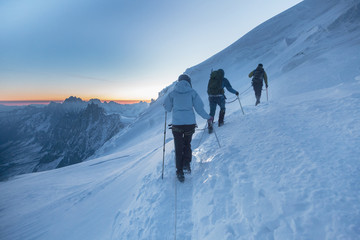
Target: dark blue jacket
[227, 85]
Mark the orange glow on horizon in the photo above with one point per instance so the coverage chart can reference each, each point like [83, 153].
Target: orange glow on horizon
[45, 102]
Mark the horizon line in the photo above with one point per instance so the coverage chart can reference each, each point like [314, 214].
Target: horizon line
[45, 102]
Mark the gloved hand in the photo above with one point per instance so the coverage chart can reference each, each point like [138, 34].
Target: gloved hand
[267, 86]
[237, 93]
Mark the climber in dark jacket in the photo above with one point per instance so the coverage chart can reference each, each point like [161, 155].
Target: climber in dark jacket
[258, 76]
[217, 96]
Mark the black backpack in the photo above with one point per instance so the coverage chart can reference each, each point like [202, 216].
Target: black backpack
[258, 75]
[215, 83]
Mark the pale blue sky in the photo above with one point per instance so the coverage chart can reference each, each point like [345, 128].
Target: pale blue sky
[115, 49]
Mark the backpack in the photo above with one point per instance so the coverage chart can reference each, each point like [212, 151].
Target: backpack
[258, 75]
[215, 83]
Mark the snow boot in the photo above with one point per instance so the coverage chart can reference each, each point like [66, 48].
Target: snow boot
[187, 168]
[257, 100]
[210, 127]
[180, 175]
[221, 117]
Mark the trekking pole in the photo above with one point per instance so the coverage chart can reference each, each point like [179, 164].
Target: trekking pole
[267, 95]
[217, 138]
[241, 105]
[162, 174]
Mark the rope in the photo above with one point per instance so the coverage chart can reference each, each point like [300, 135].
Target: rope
[232, 100]
[202, 135]
[239, 95]
[245, 90]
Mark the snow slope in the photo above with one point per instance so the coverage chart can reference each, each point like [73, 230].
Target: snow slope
[287, 169]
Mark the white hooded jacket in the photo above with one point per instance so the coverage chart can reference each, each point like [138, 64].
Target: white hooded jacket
[182, 101]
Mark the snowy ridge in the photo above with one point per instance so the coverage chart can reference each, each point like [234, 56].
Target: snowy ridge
[287, 169]
[297, 48]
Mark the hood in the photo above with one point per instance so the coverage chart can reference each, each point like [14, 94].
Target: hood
[182, 87]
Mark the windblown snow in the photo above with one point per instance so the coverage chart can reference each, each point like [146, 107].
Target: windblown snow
[287, 169]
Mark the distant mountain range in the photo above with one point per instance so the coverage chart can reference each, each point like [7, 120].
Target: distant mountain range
[43, 137]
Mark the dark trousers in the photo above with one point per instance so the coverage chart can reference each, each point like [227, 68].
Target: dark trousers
[257, 89]
[214, 101]
[182, 139]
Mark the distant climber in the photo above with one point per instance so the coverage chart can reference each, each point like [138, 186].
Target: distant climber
[182, 101]
[215, 90]
[258, 76]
